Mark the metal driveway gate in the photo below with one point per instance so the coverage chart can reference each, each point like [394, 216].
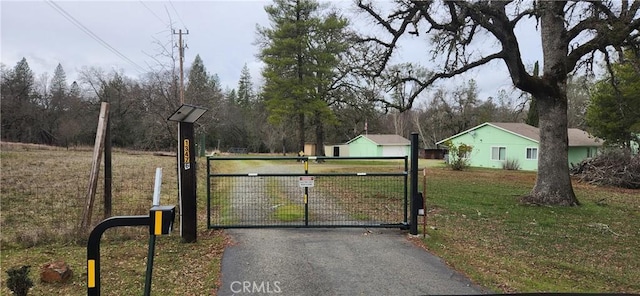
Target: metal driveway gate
[307, 192]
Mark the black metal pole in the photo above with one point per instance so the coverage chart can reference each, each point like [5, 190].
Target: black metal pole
[413, 227]
[406, 201]
[187, 170]
[150, 254]
[208, 193]
[306, 195]
[93, 247]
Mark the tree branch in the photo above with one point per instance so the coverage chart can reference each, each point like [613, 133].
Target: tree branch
[396, 33]
[426, 83]
[616, 34]
[591, 23]
[527, 12]
[375, 15]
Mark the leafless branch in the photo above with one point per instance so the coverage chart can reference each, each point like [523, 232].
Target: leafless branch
[396, 33]
[613, 30]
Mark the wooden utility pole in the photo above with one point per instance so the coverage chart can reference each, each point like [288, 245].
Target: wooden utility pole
[185, 132]
[181, 48]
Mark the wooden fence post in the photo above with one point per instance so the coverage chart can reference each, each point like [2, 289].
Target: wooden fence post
[95, 166]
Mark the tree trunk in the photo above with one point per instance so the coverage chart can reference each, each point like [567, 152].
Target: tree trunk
[553, 183]
[301, 133]
[299, 60]
[319, 136]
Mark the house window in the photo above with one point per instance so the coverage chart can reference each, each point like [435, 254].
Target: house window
[498, 153]
[532, 153]
[591, 151]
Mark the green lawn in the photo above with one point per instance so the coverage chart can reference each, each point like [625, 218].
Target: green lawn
[477, 225]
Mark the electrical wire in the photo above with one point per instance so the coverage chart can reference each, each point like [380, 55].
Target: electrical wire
[177, 14]
[95, 37]
[154, 14]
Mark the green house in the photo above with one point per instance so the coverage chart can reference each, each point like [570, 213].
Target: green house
[494, 143]
[379, 145]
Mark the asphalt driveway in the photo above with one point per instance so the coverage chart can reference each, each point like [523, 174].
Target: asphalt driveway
[334, 262]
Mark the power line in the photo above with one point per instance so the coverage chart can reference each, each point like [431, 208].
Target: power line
[177, 14]
[154, 14]
[95, 37]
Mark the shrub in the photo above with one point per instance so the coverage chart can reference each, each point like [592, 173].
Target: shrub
[511, 164]
[18, 281]
[458, 155]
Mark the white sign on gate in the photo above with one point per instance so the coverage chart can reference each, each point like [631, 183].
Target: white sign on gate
[306, 181]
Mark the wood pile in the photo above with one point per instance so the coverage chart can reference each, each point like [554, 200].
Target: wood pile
[612, 168]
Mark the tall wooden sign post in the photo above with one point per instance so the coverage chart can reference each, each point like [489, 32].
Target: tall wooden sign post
[186, 115]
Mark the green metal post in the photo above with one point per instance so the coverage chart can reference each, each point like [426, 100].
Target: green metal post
[148, 274]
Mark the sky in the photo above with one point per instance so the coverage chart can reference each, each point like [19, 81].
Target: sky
[125, 36]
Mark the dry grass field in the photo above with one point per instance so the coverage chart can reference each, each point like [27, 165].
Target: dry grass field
[42, 196]
[44, 190]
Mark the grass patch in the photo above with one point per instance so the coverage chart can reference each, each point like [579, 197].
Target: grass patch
[289, 213]
[44, 191]
[361, 216]
[483, 230]
[124, 265]
[221, 209]
[42, 196]
[367, 198]
[286, 210]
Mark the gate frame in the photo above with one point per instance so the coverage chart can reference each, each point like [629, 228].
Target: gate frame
[404, 225]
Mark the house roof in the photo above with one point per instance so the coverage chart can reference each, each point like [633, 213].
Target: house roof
[384, 139]
[521, 129]
[577, 137]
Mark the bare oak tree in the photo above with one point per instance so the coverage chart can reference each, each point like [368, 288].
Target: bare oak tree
[572, 34]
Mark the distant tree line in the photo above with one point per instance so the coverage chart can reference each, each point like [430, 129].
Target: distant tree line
[54, 112]
[317, 88]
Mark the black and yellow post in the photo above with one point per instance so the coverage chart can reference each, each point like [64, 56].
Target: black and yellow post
[186, 115]
[162, 219]
[93, 247]
[159, 221]
[186, 155]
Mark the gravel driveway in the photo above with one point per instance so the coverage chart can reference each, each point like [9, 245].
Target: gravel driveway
[252, 205]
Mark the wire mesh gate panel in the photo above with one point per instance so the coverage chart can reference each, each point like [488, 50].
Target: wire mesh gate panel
[307, 192]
